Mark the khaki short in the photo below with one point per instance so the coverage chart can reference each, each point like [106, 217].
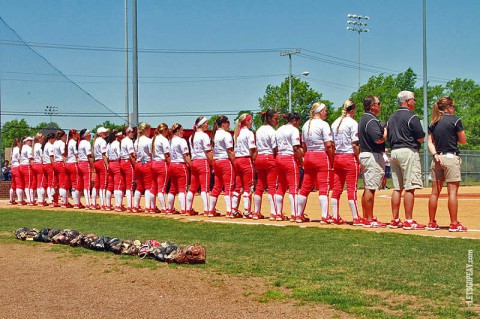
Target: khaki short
[406, 169]
[373, 168]
[449, 171]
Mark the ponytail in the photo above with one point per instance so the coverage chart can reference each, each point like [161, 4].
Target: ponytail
[239, 123]
[440, 107]
[267, 115]
[196, 126]
[348, 106]
[174, 129]
[160, 129]
[37, 139]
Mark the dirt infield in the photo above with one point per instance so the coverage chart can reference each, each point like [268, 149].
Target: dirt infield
[37, 282]
[469, 201]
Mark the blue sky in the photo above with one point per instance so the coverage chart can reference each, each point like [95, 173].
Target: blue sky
[201, 82]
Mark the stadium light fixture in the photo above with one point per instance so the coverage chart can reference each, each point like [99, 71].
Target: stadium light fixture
[359, 26]
[50, 111]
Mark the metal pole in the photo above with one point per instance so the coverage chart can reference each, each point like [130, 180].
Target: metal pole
[425, 97]
[359, 26]
[127, 109]
[290, 83]
[135, 66]
[289, 53]
[358, 59]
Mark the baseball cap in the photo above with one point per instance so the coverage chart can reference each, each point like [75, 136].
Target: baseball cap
[101, 130]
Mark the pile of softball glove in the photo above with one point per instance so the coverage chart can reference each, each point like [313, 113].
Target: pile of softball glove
[161, 251]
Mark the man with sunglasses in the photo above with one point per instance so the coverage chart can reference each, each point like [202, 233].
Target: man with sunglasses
[405, 134]
[371, 135]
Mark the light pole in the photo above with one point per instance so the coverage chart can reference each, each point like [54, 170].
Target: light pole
[357, 25]
[51, 110]
[425, 88]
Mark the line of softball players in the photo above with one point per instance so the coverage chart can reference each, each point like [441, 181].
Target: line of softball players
[116, 169]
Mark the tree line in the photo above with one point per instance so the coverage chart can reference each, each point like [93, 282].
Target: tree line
[465, 92]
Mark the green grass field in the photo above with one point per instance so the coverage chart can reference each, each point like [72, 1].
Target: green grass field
[365, 274]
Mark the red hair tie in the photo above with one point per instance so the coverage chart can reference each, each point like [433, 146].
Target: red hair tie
[284, 116]
[263, 113]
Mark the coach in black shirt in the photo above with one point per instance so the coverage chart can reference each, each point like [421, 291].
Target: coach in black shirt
[444, 133]
[405, 134]
[371, 136]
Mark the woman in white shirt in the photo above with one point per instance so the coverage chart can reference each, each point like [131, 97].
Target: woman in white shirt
[127, 163]
[101, 166]
[223, 159]
[202, 159]
[317, 141]
[265, 163]
[178, 170]
[17, 182]
[245, 151]
[346, 167]
[71, 167]
[143, 168]
[37, 168]
[288, 162]
[115, 183]
[59, 157]
[160, 162]
[85, 166]
[26, 174]
[48, 167]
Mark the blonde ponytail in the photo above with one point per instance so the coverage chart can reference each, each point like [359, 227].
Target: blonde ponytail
[440, 107]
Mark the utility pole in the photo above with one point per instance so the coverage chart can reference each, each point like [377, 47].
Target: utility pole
[290, 53]
[135, 66]
[425, 97]
[127, 108]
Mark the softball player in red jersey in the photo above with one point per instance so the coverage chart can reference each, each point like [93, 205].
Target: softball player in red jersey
[25, 169]
[265, 163]
[115, 183]
[317, 141]
[345, 165]
[178, 170]
[40, 178]
[71, 167]
[245, 151]
[223, 159]
[288, 160]
[59, 150]
[85, 166]
[16, 181]
[143, 168]
[202, 158]
[100, 165]
[160, 162]
[127, 163]
[48, 167]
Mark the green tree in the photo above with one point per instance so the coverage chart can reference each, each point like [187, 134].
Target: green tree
[109, 125]
[211, 121]
[303, 96]
[13, 129]
[386, 89]
[466, 94]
